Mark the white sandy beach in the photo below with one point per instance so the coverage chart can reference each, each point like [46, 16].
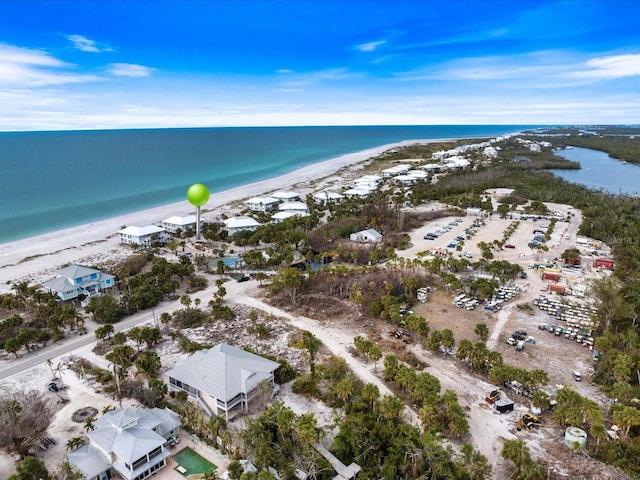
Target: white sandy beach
[36, 258]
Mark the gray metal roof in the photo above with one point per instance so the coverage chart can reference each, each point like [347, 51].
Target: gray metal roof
[59, 284]
[224, 371]
[127, 432]
[89, 461]
[65, 281]
[76, 271]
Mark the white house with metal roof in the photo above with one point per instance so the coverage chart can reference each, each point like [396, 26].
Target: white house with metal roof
[129, 442]
[327, 196]
[298, 207]
[369, 235]
[240, 223]
[75, 280]
[280, 216]
[262, 204]
[222, 378]
[145, 236]
[285, 195]
[395, 170]
[357, 192]
[177, 222]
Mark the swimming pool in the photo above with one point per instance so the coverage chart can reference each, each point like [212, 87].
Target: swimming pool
[192, 462]
[229, 262]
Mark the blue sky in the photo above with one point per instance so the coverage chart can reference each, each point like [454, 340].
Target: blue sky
[139, 64]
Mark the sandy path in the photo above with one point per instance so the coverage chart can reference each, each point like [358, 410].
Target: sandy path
[487, 429]
[333, 338]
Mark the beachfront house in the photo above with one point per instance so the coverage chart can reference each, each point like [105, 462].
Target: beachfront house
[395, 170]
[327, 196]
[130, 442]
[296, 207]
[145, 236]
[182, 223]
[431, 167]
[369, 235]
[75, 280]
[222, 378]
[238, 224]
[357, 192]
[453, 163]
[280, 216]
[262, 204]
[405, 179]
[286, 195]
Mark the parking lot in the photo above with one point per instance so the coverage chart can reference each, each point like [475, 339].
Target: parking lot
[493, 228]
[559, 355]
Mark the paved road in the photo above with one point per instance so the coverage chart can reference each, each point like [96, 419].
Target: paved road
[65, 347]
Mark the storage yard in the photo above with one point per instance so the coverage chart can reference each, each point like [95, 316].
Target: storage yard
[559, 323]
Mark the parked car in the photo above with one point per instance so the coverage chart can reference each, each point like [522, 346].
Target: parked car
[468, 255]
[509, 245]
[244, 278]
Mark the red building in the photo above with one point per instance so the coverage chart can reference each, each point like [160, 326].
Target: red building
[606, 263]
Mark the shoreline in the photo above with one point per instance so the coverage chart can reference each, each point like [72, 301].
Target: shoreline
[36, 258]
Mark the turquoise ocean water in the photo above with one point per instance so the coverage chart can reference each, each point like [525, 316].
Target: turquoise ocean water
[55, 180]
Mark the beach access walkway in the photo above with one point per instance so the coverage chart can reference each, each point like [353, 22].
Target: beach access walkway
[344, 472]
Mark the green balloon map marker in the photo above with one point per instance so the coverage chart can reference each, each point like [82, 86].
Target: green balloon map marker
[198, 195]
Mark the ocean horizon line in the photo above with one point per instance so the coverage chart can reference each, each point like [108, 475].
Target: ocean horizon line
[162, 128]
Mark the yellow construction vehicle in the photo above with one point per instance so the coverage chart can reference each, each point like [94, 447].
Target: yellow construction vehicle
[493, 397]
[528, 421]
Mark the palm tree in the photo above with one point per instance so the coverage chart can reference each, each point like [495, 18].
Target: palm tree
[75, 443]
[312, 344]
[370, 394]
[186, 301]
[181, 397]
[344, 390]
[482, 331]
[627, 417]
[88, 424]
[135, 334]
[148, 365]
[216, 425]
[598, 431]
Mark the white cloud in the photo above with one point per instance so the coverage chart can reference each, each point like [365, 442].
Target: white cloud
[614, 66]
[370, 46]
[310, 78]
[21, 67]
[129, 70]
[22, 56]
[86, 45]
[284, 71]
